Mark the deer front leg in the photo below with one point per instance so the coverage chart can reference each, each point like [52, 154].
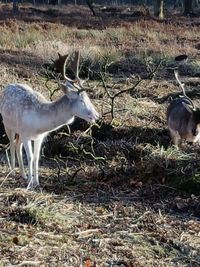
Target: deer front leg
[28, 148]
[37, 148]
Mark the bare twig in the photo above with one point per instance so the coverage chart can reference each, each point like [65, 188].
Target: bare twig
[51, 92]
[127, 90]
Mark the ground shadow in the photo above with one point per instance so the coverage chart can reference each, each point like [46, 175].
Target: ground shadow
[74, 16]
[24, 63]
[114, 158]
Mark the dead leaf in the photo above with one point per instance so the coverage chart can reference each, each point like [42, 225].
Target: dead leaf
[15, 240]
[88, 263]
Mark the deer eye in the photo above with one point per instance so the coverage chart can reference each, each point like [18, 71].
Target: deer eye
[82, 102]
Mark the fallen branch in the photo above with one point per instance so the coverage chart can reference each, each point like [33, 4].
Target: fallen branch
[7, 177]
[86, 233]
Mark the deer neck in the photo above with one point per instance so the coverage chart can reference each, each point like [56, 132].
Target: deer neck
[57, 113]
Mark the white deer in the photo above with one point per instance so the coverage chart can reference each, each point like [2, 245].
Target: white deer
[28, 116]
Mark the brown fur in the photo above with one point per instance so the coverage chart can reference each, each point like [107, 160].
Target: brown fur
[182, 121]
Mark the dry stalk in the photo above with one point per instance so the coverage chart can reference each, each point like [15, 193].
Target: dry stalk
[60, 169]
[86, 233]
[141, 217]
[7, 177]
[51, 92]
[27, 263]
[81, 150]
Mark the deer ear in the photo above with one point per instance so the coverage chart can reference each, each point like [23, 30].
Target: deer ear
[188, 107]
[170, 99]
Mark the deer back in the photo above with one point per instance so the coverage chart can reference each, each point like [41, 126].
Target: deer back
[180, 117]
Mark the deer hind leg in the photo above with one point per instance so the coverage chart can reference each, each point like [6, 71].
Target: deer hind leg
[176, 139]
[19, 146]
[11, 137]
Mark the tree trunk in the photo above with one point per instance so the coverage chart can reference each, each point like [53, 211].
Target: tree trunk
[90, 5]
[178, 3]
[15, 7]
[187, 7]
[159, 9]
[195, 4]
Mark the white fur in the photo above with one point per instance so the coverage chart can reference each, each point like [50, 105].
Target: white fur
[29, 116]
[197, 137]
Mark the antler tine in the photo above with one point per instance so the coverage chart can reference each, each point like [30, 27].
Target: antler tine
[64, 71]
[179, 82]
[73, 63]
[77, 61]
[183, 88]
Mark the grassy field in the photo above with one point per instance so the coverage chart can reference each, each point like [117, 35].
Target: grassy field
[115, 194]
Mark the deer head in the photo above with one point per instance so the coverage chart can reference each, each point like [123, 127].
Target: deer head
[81, 104]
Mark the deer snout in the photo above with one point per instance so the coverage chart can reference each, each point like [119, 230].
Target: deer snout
[97, 116]
[93, 116]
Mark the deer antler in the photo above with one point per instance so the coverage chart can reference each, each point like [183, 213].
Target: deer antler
[183, 89]
[73, 62]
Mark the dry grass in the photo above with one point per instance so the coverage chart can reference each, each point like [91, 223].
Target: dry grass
[115, 194]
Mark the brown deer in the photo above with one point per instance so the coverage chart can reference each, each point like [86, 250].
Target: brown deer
[183, 118]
